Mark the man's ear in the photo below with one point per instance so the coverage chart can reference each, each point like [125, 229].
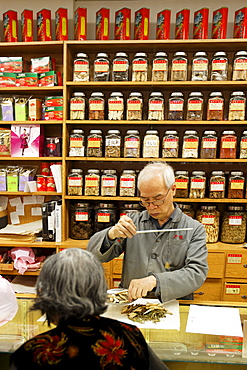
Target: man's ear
[173, 189]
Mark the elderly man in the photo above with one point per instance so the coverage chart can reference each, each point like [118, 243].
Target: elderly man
[172, 264]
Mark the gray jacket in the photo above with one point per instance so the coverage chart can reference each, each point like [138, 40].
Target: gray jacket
[177, 259]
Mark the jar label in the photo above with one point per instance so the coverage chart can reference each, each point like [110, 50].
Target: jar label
[151, 142]
[200, 65]
[127, 183]
[131, 143]
[96, 105]
[120, 66]
[215, 104]
[108, 182]
[160, 65]
[235, 220]
[209, 143]
[179, 65]
[81, 66]
[197, 183]
[74, 181]
[170, 143]
[134, 105]
[91, 182]
[190, 143]
[195, 105]
[104, 217]
[207, 219]
[76, 142]
[94, 142]
[240, 65]
[181, 183]
[101, 66]
[155, 105]
[232, 289]
[77, 105]
[115, 105]
[112, 142]
[234, 258]
[217, 186]
[139, 65]
[229, 143]
[176, 106]
[243, 143]
[237, 105]
[237, 184]
[81, 216]
[219, 65]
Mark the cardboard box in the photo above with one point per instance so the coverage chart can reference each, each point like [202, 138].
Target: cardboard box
[27, 79]
[219, 23]
[141, 25]
[43, 64]
[240, 24]
[122, 24]
[182, 24]
[4, 142]
[163, 25]
[7, 79]
[54, 113]
[21, 109]
[26, 141]
[54, 101]
[27, 25]
[52, 78]
[10, 26]
[102, 24]
[200, 30]
[44, 25]
[61, 24]
[6, 266]
[13, 64]
[7, 109]
[80, 24]
[34, 109]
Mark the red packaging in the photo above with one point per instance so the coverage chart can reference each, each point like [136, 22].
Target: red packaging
[200, 30]
[102, 24]
[41, 183]
[45, 168]
[10, 26]
[141, 26]
[219, 23]
[163, 25]
[27, 25]
[50, 183]
[44, 25]
[61, 24]
[27, 79]
[122, 24]
[240, 24]
[80, 24]
[182, 24]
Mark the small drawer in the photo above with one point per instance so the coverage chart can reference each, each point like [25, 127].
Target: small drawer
[235, 292]
[236, 265]
[209, 291]
[216, 265]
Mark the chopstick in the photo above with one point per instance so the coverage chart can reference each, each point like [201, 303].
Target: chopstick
[162, 230]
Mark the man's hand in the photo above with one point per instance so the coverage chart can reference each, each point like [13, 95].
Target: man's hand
[139, 288]
[125, 228]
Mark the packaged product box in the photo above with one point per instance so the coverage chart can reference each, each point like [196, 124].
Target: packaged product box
[10, 26]
[44, 25]
[80, 24]
[13, 64]
[27, 79]
[122, 24]
[7, 79]
[27, 25]
[7, 109]
[4, 142]
[200, 29]
[54, 113]
[240, 24]
[61, 24]
[54, 101]
[26, 140]
[34, 109]
[182, 24]
[102, 24]
[219, 23]
[163, 25]
[141, 25]
[51, 78]
[21, 109]
[43, 64]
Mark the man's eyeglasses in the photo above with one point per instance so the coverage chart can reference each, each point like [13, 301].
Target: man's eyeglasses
[157, 202]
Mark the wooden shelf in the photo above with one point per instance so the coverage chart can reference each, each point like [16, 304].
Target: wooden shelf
[51, 122]
[41, 159]
[147, 122]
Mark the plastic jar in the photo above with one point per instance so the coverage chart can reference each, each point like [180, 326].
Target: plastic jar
[199, 67]
[156, 107]
[209, 144]
[101, 67]
[75, 181]
[115, 106]
[215, 109]
[236, 184]
[170, 144]
[219, 67]
[151, 144]
[160, 67]
[127, 183]
[94, 143]
[228, 144]
[179, 69]
[76, 143]
[129, 208]
[195, 105]
[113, 144]
[109, 183]
[176, 106]
[243, 145]
[233, 228]
[105, 216]
[77, 106]
[197, 185]
[187, 209]
[190, 144]
[81, 221]
[209, 216]
[240, 66]
[134, 106]
[217, 185]
[237, 106]
[92, 182]
[81, 67]
[140, 67]
[182, 184]
[132, 144]
[120, 67]
[96, 106]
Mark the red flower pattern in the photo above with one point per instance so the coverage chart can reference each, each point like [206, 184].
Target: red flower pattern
[110, 350]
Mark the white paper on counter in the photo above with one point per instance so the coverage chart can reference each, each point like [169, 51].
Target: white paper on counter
[25, 229]
[171, 322]
[24, 284]
[214, 320]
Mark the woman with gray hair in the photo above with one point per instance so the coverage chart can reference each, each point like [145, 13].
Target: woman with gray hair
[71, 292]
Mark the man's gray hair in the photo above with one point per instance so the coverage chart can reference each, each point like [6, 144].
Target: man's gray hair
[71, 284]
[153, 169]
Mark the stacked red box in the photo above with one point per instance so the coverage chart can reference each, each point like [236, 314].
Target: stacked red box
[102, 24]
[240, 24]
[200, 30]
[182, 24]
[219, 23]
[61, 24]
[80, 24]
[163, 25]
[10, 26]
[122, 24]
[44, 25]
[27, 25]
[141, 26]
